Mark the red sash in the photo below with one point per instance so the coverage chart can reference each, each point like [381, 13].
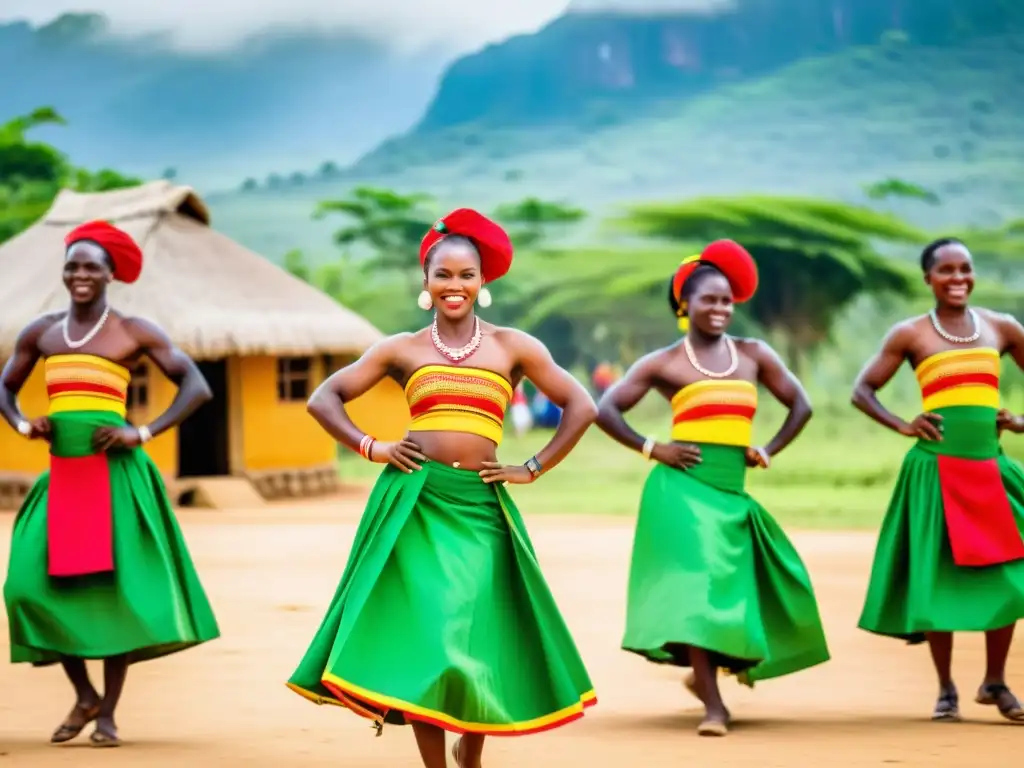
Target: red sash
[979, 519]
[79, 516]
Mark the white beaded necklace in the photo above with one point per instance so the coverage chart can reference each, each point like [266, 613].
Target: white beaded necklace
[733, 356]
[90, 335]
[957, 339]
[456, 355]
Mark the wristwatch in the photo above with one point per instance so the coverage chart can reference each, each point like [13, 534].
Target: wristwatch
[24, 428]
[534, 466]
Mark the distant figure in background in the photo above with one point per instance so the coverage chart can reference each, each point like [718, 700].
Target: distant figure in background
[443, 620]
[602, 377]
[950, 555]
[522, 418]
[99, 568]
[714, 581]
[546, 414]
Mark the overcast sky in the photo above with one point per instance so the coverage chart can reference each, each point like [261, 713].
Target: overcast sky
[218, 24]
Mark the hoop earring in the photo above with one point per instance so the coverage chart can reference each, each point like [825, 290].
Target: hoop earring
[484, 298]
[424, 301]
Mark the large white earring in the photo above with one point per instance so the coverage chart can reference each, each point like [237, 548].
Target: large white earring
[484, 297]
[424, 301]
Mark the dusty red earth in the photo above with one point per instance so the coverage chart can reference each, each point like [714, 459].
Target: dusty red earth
[270, 574]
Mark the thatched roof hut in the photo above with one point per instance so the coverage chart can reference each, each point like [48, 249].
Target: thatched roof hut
[263, 337]
[214, 297]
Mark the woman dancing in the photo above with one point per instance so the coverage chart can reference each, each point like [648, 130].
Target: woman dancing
[950, 555]
[98, 566]
[714, 582]
[442, 619]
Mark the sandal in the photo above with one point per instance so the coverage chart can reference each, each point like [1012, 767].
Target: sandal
[1000, 696]
[947, 708]
[104, 738]
[68, 730]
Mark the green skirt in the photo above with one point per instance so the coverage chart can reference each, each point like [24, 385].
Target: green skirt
[916, 585]
[151, 604]
[442, 616]
[711, 569]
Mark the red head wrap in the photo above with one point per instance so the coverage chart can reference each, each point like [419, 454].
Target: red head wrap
[124, 253]
[731, 259]
[490, 240]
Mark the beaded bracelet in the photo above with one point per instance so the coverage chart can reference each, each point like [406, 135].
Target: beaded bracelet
[366, 447]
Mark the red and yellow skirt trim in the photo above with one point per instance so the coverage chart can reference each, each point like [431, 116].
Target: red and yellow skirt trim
[374, 706]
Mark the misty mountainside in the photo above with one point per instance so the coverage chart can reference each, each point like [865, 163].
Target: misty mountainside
[594, 70]
[141, 107]
[941, 112]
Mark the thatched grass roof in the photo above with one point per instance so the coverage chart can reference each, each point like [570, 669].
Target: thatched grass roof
[212, 296]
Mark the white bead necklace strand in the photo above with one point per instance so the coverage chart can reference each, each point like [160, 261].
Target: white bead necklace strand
[89, 336]
[957, 339]
[456, 355]
[733, 357]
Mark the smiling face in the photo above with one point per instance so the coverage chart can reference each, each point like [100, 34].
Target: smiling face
[710, 304]
[951, 275]
[453, 278]
[87, 271]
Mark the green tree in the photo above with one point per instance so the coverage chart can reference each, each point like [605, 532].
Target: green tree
[389, 223]
[892, 187]
[815, 258]
[32, 173]
[295, 263]
[533, 222]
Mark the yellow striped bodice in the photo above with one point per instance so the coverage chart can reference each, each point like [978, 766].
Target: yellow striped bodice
[715, 411]
[960, 377]
[448, 398]
[86, 383]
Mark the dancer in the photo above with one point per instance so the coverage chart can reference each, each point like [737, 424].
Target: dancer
[442, 619]
[98, 566]
[714, 582]
[950, 555]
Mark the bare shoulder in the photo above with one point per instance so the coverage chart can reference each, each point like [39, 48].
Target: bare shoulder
[145, 332]
[40, 325]
[904, 333]
[752, 347]
[391, 348]
[998, 319]
[513, 339]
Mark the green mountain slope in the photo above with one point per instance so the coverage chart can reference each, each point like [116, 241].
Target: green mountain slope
[945, 118]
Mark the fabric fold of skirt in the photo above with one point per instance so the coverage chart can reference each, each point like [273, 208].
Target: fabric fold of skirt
[151, 603]
[442, 616]
[713, 570]
[947, 558]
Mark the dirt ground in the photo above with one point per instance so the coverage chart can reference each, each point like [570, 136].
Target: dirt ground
[270, 574]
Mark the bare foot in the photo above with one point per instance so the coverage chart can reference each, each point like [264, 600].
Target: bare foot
[714, 724]
[999, 696]
[105, 734]
[81, 715]
[456, 747]
[690, 683]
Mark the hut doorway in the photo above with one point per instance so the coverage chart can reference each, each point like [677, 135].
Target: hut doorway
[203, 436]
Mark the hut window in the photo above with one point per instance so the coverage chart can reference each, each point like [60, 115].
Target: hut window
[294, 375]
[334, 363]
[138, 389]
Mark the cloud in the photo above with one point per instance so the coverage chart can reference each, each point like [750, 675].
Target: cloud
[650, 7]
[212, 25]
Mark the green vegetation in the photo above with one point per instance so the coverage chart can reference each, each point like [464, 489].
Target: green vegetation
[837, 475]
[32, 173]
[941, 116]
